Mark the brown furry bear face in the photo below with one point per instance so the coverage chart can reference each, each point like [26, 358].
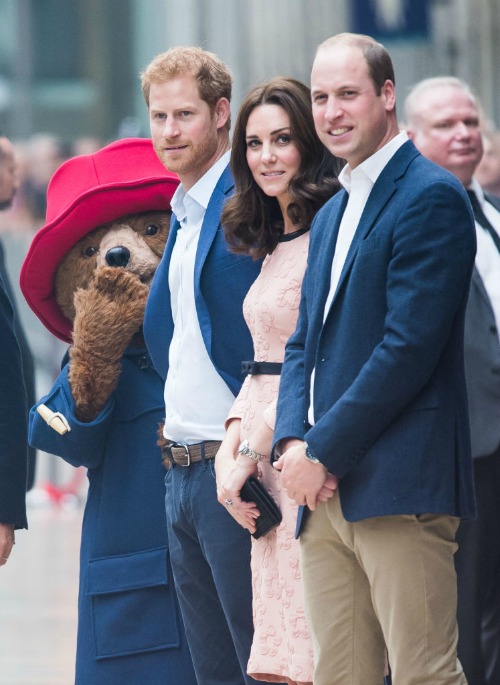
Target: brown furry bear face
[135, 243]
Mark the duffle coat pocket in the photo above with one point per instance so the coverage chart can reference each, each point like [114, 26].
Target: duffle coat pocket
[124, 589]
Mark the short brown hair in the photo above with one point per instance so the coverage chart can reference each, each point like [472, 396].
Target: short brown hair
[380, 67]
[211, 74]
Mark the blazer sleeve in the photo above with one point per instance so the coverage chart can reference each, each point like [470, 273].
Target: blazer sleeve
[291, 406]
[13, 422]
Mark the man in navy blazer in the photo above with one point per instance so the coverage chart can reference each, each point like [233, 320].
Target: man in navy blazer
[373, 388]
[13, 432]
[197, 337]
[444, 121]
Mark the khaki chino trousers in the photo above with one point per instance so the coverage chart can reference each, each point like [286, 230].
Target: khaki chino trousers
[386, 581]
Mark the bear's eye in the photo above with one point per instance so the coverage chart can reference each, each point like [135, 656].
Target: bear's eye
[152, 229]
[90, 251]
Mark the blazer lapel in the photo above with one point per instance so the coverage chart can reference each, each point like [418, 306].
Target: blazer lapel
[320, 263]
[211, 222]
[384, 188]
[478, 281]
[379, 197]
[163, 292]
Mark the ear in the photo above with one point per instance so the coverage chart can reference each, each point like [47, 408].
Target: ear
[222, 112]
[389, 93]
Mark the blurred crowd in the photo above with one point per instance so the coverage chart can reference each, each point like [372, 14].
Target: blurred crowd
[37, 159]
[40, 155]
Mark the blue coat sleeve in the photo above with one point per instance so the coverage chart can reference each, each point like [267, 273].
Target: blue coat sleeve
[84, 444]
[291, 407]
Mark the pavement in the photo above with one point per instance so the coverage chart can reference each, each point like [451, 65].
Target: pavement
[38, 596]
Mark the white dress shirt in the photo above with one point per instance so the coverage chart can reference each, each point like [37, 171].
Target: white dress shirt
[487, 255]
[358, 183]
[197, 400]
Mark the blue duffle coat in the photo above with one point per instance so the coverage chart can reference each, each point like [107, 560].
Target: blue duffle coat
[129, 625]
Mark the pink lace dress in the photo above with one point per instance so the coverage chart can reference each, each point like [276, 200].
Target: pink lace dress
[282, 646]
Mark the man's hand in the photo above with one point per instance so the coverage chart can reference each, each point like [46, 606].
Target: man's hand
[304, 481]
[7, 541]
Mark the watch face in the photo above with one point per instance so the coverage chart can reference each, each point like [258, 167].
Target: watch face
[243, 446]
[311, 456]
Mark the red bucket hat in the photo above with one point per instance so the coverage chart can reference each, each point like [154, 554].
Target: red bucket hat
[125, 177]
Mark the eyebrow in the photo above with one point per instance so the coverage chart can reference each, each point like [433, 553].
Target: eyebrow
[273, 133]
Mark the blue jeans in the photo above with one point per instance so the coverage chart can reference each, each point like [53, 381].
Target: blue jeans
[210, 555]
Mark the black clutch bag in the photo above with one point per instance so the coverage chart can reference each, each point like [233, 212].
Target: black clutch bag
[270, 515]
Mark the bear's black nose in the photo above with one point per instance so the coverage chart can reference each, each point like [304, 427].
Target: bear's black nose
[118, 256]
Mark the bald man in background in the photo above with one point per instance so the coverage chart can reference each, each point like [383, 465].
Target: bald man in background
[443, 120]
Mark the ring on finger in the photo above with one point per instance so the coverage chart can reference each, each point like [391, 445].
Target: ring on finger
[228, 502]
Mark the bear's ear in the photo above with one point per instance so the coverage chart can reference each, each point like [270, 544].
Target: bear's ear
[76, 270]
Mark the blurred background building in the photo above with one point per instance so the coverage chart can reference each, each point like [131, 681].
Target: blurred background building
[69, 83]
[70, 67]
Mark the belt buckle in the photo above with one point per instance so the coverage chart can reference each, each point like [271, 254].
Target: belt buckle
[186, 450]
[247, 368]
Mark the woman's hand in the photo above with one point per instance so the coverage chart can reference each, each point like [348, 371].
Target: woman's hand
[228, 493]
[261, 440]
[232, 470]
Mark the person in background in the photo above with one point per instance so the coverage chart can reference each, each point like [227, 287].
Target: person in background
[488, 169]
[197, 337]
[443, 120]
[9, 184]
[373, 388]
[13, 401]
[283, 174]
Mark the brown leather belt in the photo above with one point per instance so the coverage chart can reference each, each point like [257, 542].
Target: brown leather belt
[184, 455]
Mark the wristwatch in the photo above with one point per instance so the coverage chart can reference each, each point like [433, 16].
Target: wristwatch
[310, 455]
[244, 449]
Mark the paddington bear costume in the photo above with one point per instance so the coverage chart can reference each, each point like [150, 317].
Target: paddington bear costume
[130, 631]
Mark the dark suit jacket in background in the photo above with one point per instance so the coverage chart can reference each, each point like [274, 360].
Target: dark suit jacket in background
[482, 366]
[390, 399]
[27, 360]
[13, 421]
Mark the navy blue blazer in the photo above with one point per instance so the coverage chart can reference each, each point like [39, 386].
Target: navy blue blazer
[13, 421]
[390, 402]
[221, 281]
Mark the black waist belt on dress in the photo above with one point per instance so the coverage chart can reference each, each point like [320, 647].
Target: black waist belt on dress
[261, 368]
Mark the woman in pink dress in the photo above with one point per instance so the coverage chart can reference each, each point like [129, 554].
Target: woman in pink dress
[283, 175]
